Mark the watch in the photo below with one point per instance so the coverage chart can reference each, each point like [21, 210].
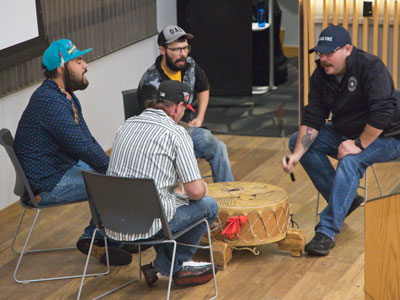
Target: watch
[357, 142]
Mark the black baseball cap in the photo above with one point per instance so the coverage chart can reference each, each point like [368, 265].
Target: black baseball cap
[175, 91]
[170, 34]
[331, 38]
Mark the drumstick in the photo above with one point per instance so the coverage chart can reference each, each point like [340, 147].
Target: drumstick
[280, 123]
[291, 173]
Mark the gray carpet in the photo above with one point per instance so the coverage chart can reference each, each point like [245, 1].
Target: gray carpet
[258, 115]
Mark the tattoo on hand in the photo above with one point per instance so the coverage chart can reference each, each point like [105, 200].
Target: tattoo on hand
[308, 138]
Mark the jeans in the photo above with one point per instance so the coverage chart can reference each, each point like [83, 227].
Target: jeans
[214, 151]
[340, 187]
[71, 188]
[184, 216]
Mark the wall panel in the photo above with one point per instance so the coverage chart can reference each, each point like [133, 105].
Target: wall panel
[104, 25]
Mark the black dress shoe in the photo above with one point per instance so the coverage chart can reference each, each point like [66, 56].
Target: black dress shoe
[191, 275]
[319, 245]
[149, 273]
[116, 255]
[356, 203]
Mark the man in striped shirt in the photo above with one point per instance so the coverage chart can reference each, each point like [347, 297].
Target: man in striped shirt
[153, 145]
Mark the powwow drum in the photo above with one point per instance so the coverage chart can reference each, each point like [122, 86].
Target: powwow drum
[266, 207]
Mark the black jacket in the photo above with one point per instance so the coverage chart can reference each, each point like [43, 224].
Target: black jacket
[365, 95]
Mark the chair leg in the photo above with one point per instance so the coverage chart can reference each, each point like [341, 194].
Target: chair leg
[108, 268]
[172, 268]
[34, 250]
[317, 208]
[23, 252]
[16, 233]
[377, 181]
[365, 187]
[211, 255]
[212, 261]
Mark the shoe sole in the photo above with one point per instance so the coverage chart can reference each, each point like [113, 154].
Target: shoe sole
[117, 256]
[319, 252]
[194, 280]
[149, 280]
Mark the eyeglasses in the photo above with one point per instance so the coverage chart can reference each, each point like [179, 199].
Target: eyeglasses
[329, 54]
[176, 51]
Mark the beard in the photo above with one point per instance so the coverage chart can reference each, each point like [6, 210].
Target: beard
[72, 83]
[172, 65]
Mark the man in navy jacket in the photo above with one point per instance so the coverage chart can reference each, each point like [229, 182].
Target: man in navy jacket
[355, 90]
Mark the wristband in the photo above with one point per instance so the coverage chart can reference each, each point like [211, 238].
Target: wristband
[357, 142]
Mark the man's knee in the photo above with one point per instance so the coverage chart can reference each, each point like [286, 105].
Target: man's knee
[211, 141]
[210, 206]
[350, 163]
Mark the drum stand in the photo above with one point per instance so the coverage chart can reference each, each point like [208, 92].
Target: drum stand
[294, 242]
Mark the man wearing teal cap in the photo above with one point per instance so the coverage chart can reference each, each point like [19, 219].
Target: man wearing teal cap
[54, 144]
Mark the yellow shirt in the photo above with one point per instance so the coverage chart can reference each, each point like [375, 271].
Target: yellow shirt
[177, 76]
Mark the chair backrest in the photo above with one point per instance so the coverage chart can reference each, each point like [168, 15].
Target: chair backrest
[131, 103]
[22, 187]
[127, 205]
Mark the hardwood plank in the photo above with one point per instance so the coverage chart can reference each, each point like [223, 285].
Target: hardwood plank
[273, 274]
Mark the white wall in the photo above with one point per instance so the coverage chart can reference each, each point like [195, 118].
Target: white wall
[290, 21]
[101, 101]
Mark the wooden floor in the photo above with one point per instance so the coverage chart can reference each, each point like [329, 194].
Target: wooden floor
[272, 275]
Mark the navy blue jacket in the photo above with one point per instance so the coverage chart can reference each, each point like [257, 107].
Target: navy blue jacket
[365, 95]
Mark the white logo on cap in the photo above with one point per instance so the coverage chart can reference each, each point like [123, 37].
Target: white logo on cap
[185, 97]
[326, 38]
[162, 94]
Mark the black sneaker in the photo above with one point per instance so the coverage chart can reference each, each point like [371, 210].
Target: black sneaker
[319, 245]
[116, 255]
[356, 203]
[149, 273]
[194, 273]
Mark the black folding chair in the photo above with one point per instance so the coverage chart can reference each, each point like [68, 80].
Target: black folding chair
[129, 206]
[27, 201]
[131, 103]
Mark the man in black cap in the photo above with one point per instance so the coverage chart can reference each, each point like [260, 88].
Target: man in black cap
[175, 64]
[153, 145]
[356, 88]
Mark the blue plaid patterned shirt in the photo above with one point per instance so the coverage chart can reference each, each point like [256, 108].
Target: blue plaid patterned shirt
[49, 141]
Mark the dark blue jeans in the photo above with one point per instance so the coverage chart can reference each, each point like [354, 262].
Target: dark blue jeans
[185, 216]
[340, 186]
[71, 188]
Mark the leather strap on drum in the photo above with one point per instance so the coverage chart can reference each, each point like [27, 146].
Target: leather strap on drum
[233, 226]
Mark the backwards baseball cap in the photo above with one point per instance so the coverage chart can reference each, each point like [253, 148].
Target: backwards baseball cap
[331, 38]
[170, 34]
[175, 91]
[61, 50]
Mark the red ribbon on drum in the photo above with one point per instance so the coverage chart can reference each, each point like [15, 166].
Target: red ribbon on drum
[233, 226]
